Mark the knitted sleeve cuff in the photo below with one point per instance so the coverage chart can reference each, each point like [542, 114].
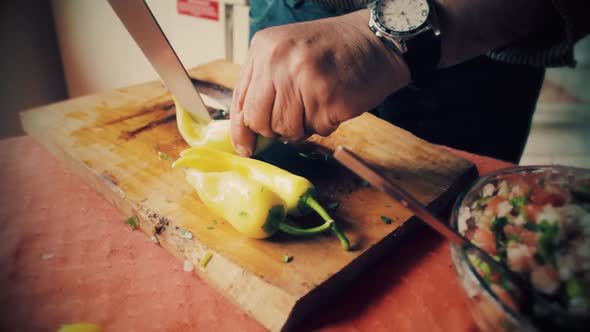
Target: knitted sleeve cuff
[558, 52]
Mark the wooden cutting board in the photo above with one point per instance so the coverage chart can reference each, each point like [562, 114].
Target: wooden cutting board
[115, 141]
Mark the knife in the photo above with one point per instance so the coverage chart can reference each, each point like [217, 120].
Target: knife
[363, 170]
[143, 27]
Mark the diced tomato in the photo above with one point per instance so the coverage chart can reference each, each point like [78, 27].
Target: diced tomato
[543, 197]
[484, 238]
[532, 211]
[495, 277]
[526, 236]
[532, 179]
[492, 204]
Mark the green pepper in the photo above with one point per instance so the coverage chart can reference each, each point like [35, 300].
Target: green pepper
[215, 135]
[296, 192]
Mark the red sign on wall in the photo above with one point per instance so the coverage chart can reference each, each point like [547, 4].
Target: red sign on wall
[199, 8]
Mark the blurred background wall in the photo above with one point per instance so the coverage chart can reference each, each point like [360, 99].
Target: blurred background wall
[31, 72]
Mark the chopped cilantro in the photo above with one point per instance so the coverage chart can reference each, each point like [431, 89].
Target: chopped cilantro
[482, 202]
[574, 288]
[548, 241]
[287, 259]
[333, 205]
[485, 268]
[504, 282]
[497, 228]
[530, 226]
[133, 222]
[518, 202]
[513, 238]
[163, 156]
[243, 213]
[498, 224]
[386, 220]
[214, 222]
[210, 227]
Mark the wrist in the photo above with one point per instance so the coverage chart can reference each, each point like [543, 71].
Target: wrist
[392, 63]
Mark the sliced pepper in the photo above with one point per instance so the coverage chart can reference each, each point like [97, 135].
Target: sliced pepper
[262, 179]
[215, 134]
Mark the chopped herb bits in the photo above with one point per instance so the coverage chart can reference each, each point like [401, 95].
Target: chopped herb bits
[333, 205]
[163, 156]
[386, 220]
[133, 222]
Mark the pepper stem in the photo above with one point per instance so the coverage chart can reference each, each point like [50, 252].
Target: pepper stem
[310, 201]
[304, 231]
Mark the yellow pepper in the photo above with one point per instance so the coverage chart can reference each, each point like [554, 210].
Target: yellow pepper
[215, 135]
[80, 327]
[250, 208]
[244, 203]
[296, 192]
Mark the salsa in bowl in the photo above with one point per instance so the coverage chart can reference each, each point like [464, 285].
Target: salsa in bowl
[535, 220]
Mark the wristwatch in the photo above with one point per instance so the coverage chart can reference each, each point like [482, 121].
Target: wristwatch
[410, 28]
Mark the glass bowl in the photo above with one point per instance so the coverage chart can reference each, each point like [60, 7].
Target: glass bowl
[492, 310]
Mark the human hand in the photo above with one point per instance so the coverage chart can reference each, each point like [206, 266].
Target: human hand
[307, 78]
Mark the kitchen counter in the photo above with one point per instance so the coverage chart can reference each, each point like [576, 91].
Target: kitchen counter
[57, 269]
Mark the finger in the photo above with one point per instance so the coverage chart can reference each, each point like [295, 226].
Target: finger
[258, 104]
[287, 116]
[315, 119]
[242, 86]
[320, 123]
[242, 138]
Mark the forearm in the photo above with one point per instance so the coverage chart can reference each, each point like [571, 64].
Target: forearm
[472, 27]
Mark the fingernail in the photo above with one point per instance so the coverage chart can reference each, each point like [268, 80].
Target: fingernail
[243, 151]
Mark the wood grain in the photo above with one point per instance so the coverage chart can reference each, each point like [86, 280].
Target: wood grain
[113, 140]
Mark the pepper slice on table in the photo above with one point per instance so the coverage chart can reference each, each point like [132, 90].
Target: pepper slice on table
[215, 135]
[296, 192]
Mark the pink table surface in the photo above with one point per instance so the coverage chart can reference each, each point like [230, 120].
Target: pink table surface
[66, 256]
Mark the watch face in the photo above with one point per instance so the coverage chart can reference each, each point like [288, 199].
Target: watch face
[402, 15]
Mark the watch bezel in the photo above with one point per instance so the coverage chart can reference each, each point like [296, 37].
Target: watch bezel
[377, 24]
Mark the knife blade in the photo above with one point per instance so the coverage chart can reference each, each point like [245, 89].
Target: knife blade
[145, 30]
